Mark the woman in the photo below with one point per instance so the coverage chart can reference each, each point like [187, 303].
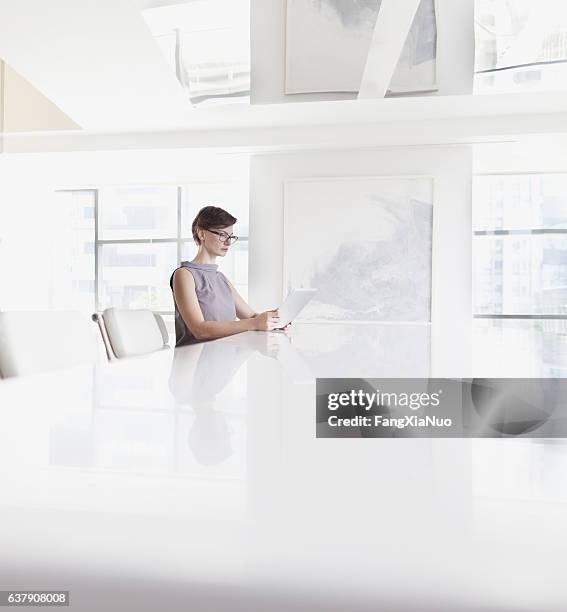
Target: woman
[206, 303]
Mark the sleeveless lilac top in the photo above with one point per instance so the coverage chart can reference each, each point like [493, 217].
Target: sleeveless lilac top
[214, 295]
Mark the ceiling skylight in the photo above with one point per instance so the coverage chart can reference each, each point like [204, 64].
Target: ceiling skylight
[207, 45]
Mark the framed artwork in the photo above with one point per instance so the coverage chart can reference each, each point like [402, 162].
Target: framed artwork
[327, 43]
[365, 243]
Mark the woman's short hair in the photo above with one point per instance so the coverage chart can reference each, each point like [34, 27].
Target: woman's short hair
[211, 217]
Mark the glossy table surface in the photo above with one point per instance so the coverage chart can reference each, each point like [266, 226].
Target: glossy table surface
[192, 479]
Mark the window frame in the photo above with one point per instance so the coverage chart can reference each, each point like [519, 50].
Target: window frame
[515, 232]
[179, 240]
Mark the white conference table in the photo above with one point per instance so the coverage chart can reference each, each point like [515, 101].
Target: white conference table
[192, 480]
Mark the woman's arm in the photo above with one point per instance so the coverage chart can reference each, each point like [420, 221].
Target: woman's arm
[188, 306]
[243, 310]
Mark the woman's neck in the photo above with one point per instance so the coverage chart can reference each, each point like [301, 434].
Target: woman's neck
[203, 257]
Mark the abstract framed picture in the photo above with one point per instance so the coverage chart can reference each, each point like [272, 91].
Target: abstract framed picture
[365, 243]
[327, 43]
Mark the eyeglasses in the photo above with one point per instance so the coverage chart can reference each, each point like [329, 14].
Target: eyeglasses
[224, 237]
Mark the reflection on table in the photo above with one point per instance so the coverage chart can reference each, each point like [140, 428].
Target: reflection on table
[200, 466]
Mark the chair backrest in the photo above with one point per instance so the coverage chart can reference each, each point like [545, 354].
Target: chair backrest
[39, 341]
[162, 328]
[128, 333]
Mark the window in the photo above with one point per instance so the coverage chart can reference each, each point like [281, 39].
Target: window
[521, 45]
[123, 254]
[72, 274]
[520, 269]
[136, 275]
[137, 212]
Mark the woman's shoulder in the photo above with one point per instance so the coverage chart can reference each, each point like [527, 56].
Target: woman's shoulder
[183, 276]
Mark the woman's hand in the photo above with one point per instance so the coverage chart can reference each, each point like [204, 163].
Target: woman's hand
[267, 321]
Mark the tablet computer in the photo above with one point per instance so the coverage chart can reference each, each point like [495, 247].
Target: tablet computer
[295, 302]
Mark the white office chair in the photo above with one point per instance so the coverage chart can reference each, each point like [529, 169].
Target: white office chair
[129, 333]
[40, 341]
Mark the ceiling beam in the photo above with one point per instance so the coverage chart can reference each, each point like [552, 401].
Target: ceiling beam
[392, 27]
[435, 120]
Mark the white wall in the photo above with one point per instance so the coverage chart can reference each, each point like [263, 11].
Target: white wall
[25, 109]
[455, 51]
[452, 232]
[24, 240]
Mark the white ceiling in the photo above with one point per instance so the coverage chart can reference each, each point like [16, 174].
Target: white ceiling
[95, 59]
[148, 4]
